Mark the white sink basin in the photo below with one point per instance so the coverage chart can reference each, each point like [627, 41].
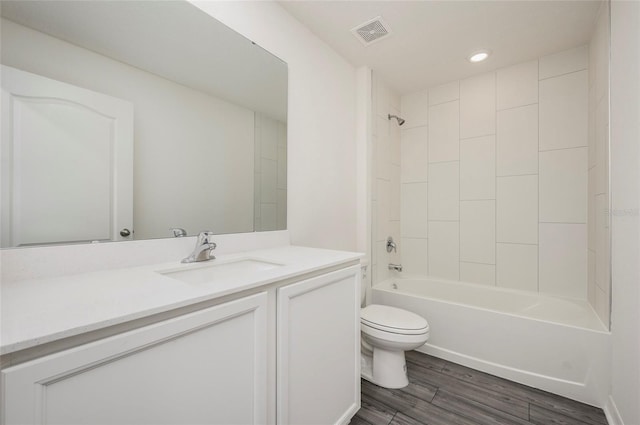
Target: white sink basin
[212, 270]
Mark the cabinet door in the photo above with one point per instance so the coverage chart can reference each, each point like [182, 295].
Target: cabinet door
[208, 367]
[318, 350]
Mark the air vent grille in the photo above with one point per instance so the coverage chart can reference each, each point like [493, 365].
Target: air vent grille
[371, 31]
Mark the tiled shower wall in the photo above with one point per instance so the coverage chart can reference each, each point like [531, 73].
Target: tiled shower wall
[494, 177]
[270, 174]
[598, 288]
[385, 218]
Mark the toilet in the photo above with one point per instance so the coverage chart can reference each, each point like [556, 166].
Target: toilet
[387, 332]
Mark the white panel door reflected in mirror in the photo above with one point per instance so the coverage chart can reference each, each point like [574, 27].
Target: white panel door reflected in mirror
[67, 162]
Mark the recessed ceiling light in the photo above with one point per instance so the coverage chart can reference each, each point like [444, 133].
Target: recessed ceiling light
[479, 56]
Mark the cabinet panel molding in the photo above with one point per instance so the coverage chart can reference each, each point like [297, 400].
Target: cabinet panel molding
[208, 365]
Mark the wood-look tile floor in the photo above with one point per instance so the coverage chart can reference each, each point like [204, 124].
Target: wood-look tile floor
[445, 393]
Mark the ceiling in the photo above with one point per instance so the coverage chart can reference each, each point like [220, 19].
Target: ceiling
[431, 40]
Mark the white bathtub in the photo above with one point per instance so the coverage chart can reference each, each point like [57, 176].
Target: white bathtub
[551, 343]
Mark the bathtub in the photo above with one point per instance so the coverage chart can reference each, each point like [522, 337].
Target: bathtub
[555, 344]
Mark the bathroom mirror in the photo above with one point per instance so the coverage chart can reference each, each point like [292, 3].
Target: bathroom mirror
[136, 120]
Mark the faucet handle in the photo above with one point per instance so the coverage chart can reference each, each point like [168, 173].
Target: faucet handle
[391, 245]
[178, 232]
[205, 237]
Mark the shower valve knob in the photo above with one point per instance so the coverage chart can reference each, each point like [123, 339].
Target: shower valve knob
[391, 245]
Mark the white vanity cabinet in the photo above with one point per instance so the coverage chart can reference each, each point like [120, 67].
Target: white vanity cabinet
[318, 351]
[287, 352]
[209, 366]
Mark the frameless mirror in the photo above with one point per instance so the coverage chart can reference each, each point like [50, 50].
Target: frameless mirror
[136, 120]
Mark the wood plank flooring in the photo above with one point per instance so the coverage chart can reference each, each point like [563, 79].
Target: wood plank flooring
[445, 393]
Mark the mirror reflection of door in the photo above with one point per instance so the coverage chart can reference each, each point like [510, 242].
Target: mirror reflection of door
[67, 157]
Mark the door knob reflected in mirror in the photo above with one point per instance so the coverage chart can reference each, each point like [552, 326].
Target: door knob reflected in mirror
[125, 232]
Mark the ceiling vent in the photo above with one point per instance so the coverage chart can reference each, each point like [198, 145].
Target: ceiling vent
[371, 31]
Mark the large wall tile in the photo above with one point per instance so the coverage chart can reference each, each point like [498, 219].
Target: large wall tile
[563, 259]
[591, 209]
[443, 132]
[394, 139]
[602, 241]
[517, 141]
[444, 93]
[602, 147]
[414, 109]
[591, 277]
[395, 256]
[591, 131]
[414, 210]
[478, 168]
[383, 209]
[443, 191]
[484, 274]
[564, 62]
[517, 85]
[382, 261]
[478, 106]
[414, 155]
[414, 256]
[444, 249]
[517, 209]
[383, 149]
[478, 231]
[517, 266]
[564, 111]
[395, 194]
[268, 217]
[268, 181]
[281, 209]
[282, 167]
[563, 186]
[269, 138]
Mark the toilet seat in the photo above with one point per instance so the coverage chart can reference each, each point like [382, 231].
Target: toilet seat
[393, 320]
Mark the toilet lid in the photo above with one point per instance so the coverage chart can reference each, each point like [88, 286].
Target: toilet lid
[393, 319]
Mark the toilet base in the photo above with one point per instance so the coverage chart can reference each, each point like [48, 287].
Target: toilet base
[385, 368]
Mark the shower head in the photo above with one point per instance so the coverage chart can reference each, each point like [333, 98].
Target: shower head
[400, 120]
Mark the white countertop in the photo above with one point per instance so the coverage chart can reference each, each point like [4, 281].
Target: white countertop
[38, 311]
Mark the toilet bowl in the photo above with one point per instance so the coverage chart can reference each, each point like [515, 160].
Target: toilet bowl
[387, 332]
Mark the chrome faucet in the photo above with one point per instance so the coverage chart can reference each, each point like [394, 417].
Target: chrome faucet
[396, 267]
[203, 249]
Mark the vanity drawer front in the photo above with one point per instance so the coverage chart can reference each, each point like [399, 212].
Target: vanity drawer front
[209, 366]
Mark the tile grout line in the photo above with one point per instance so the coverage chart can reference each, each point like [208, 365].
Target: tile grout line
[561, 149]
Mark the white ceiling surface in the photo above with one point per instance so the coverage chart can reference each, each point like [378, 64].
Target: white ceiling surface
[431, 40]
[175, 40]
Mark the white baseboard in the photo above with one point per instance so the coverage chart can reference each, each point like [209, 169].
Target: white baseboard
[611, 412]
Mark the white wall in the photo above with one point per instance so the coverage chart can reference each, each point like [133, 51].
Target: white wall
[494, 177]
[179, 134]
[321, 122]
[625, 197]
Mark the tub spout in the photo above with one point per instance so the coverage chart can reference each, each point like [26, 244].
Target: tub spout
[396, 267]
